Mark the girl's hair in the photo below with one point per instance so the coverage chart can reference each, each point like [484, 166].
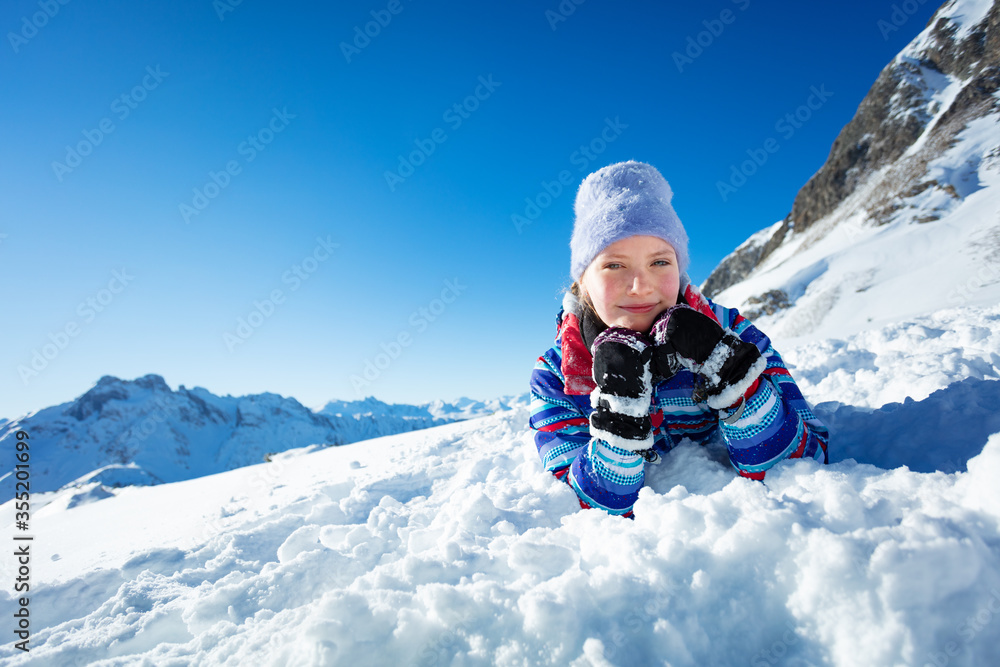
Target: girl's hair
[585, 301]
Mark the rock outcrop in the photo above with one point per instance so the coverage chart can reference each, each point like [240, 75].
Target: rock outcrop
[889, 138]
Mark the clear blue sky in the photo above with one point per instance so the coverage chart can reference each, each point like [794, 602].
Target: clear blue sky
[191, 88]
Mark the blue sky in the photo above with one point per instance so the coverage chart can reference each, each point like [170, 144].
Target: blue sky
[228, 196]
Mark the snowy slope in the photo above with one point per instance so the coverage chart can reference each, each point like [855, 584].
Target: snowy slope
[848, 277]
[124, 432]
[451, 545]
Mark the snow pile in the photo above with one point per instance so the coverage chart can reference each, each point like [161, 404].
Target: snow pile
[452, 546]
[912, 358]
[936, 371]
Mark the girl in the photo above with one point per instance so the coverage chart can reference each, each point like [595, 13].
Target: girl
[642, 360]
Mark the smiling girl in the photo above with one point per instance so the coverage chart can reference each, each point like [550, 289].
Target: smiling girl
[643, 360]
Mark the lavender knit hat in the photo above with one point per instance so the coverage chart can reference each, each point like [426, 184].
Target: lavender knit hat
[621, 200]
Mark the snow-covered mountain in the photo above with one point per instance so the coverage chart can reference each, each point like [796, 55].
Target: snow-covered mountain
[463, 408]
[903, 219]
[141, 432]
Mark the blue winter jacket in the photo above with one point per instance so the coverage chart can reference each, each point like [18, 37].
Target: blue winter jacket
[776, 422]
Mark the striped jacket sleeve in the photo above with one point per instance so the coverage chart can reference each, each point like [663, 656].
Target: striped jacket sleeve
[776, 423]
[602, 475]
[562, 429]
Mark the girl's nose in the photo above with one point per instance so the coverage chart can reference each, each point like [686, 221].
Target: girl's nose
[640, 284]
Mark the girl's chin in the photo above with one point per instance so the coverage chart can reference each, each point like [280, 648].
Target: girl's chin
[639, 321]
[642, 323]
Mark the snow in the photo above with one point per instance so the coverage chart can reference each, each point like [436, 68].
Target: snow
[758, 239]
[908, 359]
[964, 15]
[451, 545]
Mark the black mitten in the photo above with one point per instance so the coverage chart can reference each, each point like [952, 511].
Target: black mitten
[726, 365]
[624, 381]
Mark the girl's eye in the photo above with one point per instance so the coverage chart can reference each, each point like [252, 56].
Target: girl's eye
[613, 265]
[662, 262]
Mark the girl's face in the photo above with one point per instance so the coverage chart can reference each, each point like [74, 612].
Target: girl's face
[632, 281]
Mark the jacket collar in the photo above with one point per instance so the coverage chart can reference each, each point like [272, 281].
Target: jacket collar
[588, 326]
[577, 358]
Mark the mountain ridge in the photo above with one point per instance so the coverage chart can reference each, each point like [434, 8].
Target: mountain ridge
[123, 432]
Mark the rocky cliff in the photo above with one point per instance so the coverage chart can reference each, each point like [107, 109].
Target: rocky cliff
[881, 156]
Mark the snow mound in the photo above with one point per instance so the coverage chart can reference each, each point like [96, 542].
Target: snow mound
[451, 545]
[909, 359]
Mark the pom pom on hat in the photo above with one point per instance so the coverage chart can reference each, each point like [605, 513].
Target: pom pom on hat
[622, 200]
